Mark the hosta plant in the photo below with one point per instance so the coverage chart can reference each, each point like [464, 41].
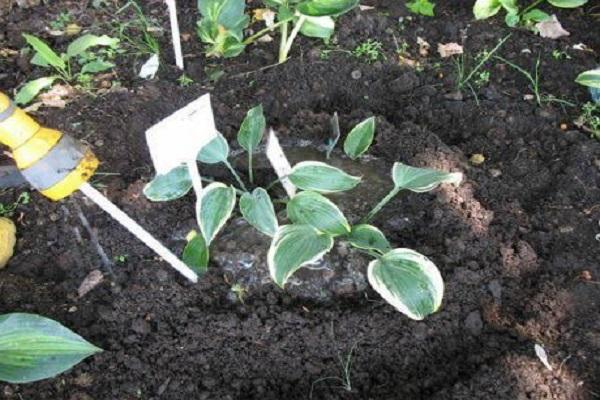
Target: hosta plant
[223, 22]
[77, 65]
[313, 222]
[517, 14]
[33, 347]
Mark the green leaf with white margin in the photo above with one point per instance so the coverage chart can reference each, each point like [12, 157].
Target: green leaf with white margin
[214, 209]
[96, 66]
[252, 129]
[170, 186]
[31, 89]
[216, 151]
[321, 177]
[486, 8]
[33, 347]
[322, 8]
[567, 3]
[311, 208]
[45, 52]
[368, 237]
[589, 78]
[293, 247]
[360, 138]
[195, 254]
[510, 6]
[87, 41]
[535, 15]
[258, 210]
[422, 180]
[409, 281]
[512, 20]
[318, 27]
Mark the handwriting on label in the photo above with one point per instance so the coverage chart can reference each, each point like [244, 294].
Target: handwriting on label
[280, 163]
[178, 138]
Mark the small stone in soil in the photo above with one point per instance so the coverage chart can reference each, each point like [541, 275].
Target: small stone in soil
[356, 74]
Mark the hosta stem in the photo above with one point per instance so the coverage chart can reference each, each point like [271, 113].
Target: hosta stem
[236, 176]
[531, 6]
[286, 50]
[283, 44]
[250, 173]
[381, 204]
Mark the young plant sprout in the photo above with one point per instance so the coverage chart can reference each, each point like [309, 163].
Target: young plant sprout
[527, 16]
[223, 22]
[404, 278]
[63, 65]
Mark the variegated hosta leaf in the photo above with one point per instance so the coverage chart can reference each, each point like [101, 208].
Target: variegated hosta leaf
[34, 347]
[422, 179]
[258, 210]
[486, 8]
[368, 237]
[589, 78]
[567, 3]
[318, 27]
[170, 186]
[360, 138]
[409, 281]
[318, 211]
[195, 254]
[252, 129]
[216, 151]
[214, 209]
[321, 177]
[320, 8]
[294, 246]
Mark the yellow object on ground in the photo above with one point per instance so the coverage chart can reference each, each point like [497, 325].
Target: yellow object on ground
[8, 238]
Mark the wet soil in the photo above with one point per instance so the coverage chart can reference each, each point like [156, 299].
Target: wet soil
[515, 243]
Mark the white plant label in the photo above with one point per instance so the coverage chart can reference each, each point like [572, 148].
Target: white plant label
[175, 35]
[178, 138]
[150, 67]
[280, 163]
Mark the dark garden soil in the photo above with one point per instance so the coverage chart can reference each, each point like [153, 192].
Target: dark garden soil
[515, 243]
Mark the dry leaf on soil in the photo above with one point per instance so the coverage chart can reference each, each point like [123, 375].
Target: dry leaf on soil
[423, 47]
[551, 28]
[57, 96]
[92, 280]
[449, 49]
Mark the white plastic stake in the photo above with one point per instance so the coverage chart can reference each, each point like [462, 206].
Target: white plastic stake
[175, 33]
[138, 231]
[280, 163]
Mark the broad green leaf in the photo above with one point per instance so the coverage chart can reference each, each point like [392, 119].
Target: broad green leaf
[216, 151]
[422, 180]
[535, 15]
[170, 186]
[258, 210]
[510, 6]
[486, 8]
[252, 129]
[318, 27]
[589, 78]
[195, 254]
[422, 7]
[512, 20]
[45, 52]
[34, 348]
[311, 208]
[360, 138]
[567, 3]
[225, 15]
[31, 89]
[214, 209]
[96, 66]
[321, 177]
[85, 42]
[368, 237]
[408, 281]
[294, 246]
[322, 8]
[39, 60]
